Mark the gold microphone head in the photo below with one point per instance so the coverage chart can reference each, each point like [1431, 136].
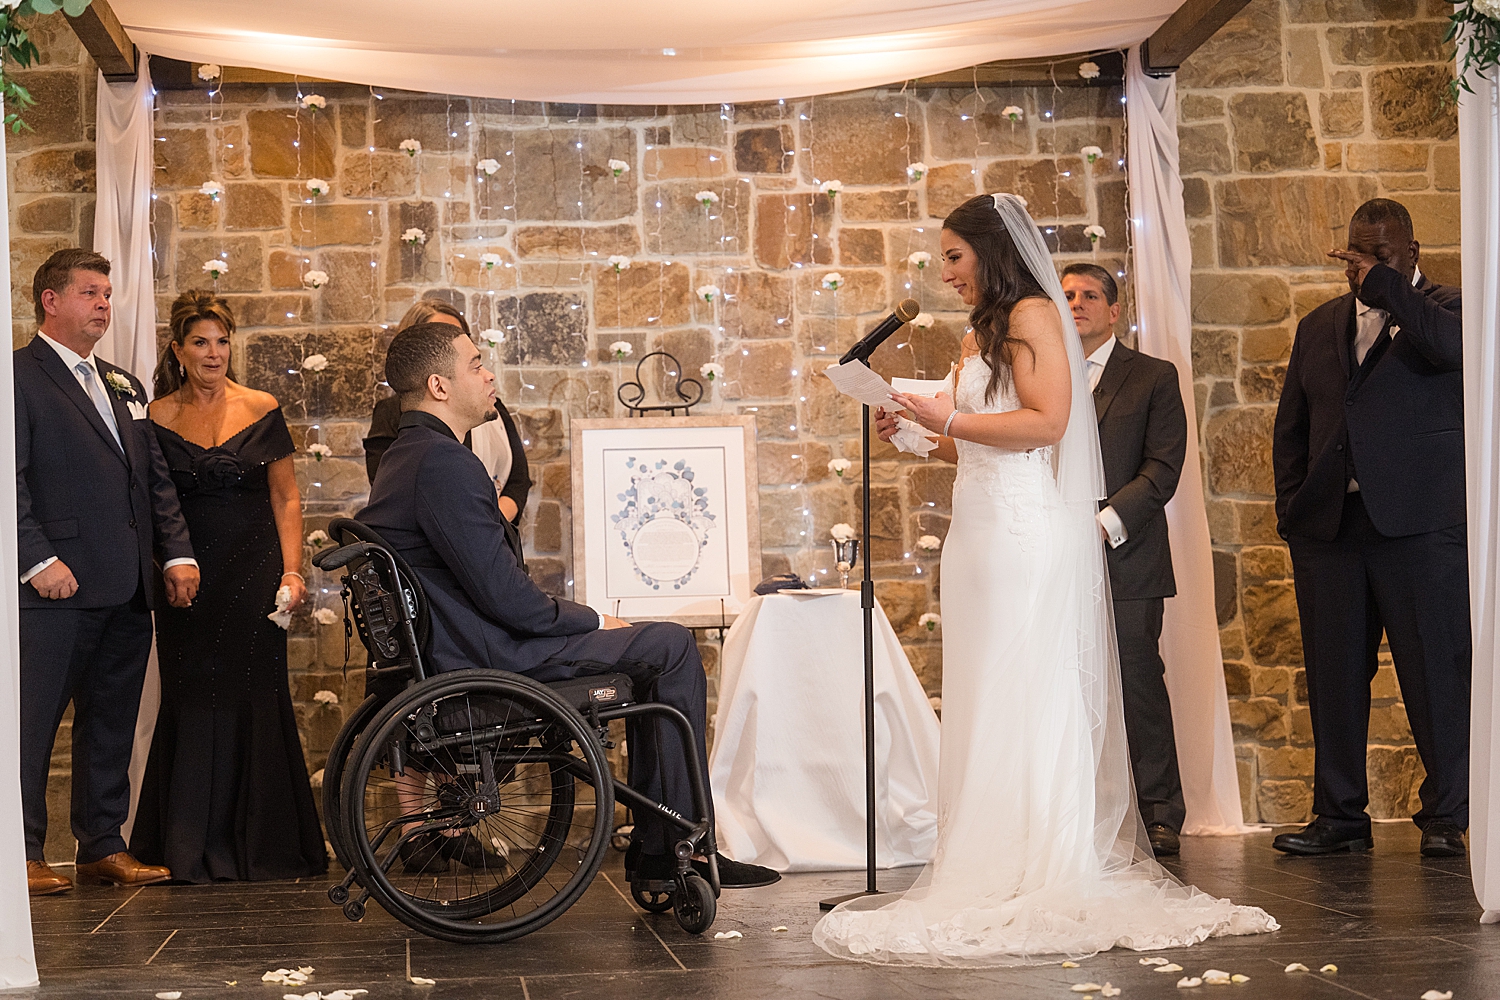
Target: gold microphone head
[907, 309]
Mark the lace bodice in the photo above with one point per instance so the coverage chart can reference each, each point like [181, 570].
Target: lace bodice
[996, 470]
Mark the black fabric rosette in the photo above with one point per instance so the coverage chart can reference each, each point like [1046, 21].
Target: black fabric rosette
[217, 470]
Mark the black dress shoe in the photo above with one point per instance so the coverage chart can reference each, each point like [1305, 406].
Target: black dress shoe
[732, 874]
[423, 854]
[1319, 837]
[467, 850]
[1164, 842]
[1442, 840]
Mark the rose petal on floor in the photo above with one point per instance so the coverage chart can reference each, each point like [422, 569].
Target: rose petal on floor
[1188, 982]
[1086, 987]
[1109, 990]
[728, 936]
[1070, 965]
[1296, 967]
[778, 930]
[1238, 978]
[1153, 961]
[169, 995]
[1329, 969]
[423, 981]
[1216, 977]
[1169, 967]
[1435, 995]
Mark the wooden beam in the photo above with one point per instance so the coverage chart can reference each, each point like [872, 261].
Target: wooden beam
[1190, 26]
[1061, 71]
[106, 41]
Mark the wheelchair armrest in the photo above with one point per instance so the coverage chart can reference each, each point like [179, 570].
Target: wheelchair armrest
[343, 555]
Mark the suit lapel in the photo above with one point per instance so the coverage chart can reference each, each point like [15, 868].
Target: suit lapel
[53, 365]
[124, 419]
[1118, 366]
[1343, 315]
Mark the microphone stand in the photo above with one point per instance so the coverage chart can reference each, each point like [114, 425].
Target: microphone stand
[862, 354]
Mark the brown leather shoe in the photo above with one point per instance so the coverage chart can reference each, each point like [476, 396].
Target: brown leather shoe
[121, 869]
[41, 880]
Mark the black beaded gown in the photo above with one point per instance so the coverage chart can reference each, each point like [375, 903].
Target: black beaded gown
[226, 794]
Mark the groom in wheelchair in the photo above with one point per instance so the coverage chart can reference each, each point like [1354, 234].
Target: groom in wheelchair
[433, 503]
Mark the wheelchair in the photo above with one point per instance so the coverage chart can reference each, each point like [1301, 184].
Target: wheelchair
[429, 761]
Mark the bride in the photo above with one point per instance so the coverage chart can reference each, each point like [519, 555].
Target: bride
[1041, 855]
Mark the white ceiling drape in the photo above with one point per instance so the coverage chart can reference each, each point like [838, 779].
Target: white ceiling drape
[631, 51]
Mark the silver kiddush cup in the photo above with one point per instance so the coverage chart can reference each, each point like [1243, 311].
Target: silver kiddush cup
[845, 555]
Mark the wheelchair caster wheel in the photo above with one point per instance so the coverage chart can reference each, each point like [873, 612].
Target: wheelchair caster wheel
[695, 908]
[355, 910]
[651, 900]
[338, 895]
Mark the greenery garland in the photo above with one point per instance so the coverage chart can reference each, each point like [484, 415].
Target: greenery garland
[18, 48]
[1482, 19]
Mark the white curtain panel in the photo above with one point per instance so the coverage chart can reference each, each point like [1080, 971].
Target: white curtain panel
[122, 221]
[1479, 160]
[17, 955]
[1190, 629]
[630, 51]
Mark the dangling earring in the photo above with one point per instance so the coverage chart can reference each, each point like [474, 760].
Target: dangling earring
[181, 371]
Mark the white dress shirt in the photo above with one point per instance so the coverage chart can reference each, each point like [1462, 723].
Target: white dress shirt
[1114, 528]
[72, 359]
[1369, 321]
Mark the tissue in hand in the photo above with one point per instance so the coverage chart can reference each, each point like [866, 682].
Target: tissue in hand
[282, 615]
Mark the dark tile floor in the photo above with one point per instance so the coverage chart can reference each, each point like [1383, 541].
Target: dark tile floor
[1395, 925]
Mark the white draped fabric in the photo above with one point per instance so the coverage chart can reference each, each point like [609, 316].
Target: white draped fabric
[17, 955]
[1479, 159]
[635, 52]
[787, 765]
[1190, 629]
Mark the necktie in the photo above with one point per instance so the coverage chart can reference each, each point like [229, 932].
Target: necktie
[100, 397]
[1371, 322]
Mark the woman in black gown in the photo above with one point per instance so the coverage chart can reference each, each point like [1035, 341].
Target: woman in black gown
[226, 794]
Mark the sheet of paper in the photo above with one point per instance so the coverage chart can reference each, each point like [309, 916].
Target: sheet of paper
[855, 380]
[920, 386]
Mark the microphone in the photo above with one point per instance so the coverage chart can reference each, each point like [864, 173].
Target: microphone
[906, 311]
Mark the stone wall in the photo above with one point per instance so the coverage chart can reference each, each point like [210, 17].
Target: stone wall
[1292, 115]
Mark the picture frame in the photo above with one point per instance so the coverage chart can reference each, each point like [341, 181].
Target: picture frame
[666, 523]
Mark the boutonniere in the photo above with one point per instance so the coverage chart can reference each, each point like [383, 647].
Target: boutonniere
[120, 384]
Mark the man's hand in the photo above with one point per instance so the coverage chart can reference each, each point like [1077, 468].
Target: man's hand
[56, 582]
[1356, 266]
[182, 585]
[610, 621]
[885, 423]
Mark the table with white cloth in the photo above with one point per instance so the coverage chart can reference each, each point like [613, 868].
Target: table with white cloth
[788, 760]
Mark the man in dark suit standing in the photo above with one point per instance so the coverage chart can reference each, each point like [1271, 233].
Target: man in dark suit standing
[1369, 459]
[1142, 439]
[434, 502]
[94, 503]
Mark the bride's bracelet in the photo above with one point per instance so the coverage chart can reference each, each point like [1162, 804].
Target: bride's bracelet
[949, 423]
[297, 575]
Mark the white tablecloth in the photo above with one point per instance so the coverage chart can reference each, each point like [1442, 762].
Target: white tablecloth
[787, 763]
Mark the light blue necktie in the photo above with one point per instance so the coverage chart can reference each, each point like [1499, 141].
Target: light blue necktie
[101, 399]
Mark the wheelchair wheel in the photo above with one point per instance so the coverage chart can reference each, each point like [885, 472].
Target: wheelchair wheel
[651, 900]
[333, 776]
[510, 769]
[696, 908]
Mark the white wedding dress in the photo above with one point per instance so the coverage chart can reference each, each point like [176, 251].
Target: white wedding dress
[1040, 855]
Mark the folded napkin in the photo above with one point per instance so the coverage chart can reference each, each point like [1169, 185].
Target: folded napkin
[912, 438]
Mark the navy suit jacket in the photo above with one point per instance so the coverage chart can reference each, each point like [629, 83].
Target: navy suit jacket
[1394, 423]
[434, 503]
[103, 511]
[1143, 441]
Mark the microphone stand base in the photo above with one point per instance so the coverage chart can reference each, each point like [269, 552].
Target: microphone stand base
[828, 904]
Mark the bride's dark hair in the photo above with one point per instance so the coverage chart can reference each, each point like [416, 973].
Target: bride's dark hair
[1002, 280]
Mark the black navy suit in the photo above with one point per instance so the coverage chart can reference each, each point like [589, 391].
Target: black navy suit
[1391, 556]
[434, 503]
[1143, 439]
[105, 512]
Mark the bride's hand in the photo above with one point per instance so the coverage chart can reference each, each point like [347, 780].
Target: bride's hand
[931, 413]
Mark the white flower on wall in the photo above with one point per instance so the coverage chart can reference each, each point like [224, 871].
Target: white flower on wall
[1014, 113]
[922, 321]
[706, 198]
[315, 279]
[1092, 152]
[492, 338]
[319, 451]
[489, 260]
[317, 186]
[1095, 234]
[708, 292]
[1088, 70]
[488, 167]
[842, 532]
[619, 262]
[314, 102]
[318, 538]
[929, 543]
[831, 188]
[832, 281]
[208, 71]
[712, 370]
[621, 349]
[212, 188]
[325, 616]
[214, 268]
[618, 167]
[326, 697]
[930, 621]
[921, 258]
[916, 171]
[414, 236]
[411, 147]
[839, 466]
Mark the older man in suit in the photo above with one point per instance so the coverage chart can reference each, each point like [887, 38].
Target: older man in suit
[433, 501]
[1142, 438]
[94, 503]
[1369, 461]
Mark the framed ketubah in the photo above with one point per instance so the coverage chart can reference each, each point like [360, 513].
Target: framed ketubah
[665, 520]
